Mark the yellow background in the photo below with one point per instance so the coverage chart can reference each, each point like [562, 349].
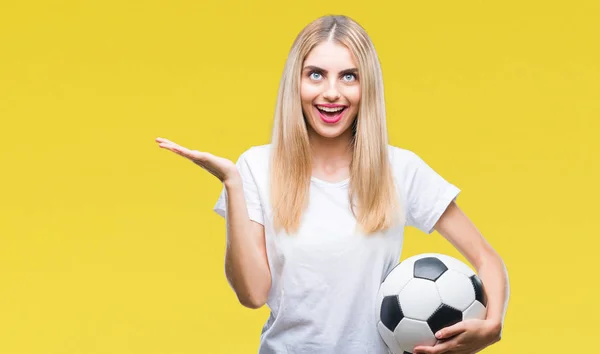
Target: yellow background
[109, 244]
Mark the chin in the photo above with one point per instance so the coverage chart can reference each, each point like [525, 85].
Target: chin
[330, 131]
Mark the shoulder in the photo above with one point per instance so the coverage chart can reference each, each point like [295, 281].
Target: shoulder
[403, 159]
[255, 162]
[256, 154]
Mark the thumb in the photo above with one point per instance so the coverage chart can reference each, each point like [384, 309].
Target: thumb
[450, 331]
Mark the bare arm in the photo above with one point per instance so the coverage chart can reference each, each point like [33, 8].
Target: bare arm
[473, 335]
[246, 265]
[456, 227]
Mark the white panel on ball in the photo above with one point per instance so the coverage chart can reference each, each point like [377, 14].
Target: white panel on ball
[389, 339]
[456, 290]
[419, 299]
[397, 280]
[476, 311]
[410, 333]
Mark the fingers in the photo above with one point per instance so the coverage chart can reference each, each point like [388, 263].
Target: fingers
[436, 349]
[450, 331]
[169, 145]
[165, 142]
[445, 340]
[196, 156]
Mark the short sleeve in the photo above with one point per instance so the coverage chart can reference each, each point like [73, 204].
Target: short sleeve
[250, 187]
[428, 196]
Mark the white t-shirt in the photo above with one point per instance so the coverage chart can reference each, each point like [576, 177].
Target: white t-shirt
[326, 277]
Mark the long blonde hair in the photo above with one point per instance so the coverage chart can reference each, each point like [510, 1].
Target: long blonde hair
[372, 193]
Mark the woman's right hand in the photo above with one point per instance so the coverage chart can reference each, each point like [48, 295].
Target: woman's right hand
[222, 168]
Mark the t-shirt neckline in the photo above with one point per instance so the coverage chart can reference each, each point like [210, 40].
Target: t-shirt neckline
[327, 183]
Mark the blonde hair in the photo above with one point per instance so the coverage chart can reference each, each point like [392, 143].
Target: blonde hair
[372, 193]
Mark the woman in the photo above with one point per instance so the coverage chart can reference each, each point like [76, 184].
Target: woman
[315, 219]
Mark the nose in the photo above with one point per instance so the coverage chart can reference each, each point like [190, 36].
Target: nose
[331, 92]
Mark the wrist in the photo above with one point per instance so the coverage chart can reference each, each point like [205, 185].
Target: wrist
[232, 181]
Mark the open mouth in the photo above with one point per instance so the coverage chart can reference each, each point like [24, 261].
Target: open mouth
[330, 114]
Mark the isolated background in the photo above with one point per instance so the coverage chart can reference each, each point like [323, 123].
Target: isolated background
[109, 244]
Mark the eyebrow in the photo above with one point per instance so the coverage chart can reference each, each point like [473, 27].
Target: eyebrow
[316, 68]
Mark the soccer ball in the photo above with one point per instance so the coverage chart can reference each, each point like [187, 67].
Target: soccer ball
[424, 294]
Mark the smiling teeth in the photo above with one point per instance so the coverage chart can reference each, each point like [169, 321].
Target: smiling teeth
[327, 109]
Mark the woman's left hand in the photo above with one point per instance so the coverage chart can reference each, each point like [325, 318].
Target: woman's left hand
[465, 337]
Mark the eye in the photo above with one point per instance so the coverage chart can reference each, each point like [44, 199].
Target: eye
[349, 77]
[314, 75]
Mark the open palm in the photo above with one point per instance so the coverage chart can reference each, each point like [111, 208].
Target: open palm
[220, 167]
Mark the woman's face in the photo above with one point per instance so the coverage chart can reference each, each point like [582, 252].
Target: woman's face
[329, 89]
